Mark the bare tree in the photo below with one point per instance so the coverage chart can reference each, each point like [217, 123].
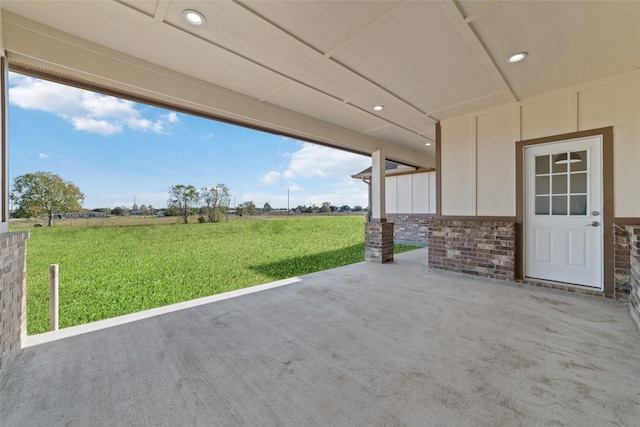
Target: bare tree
[224, 199]
[216, 201]
[183, 197]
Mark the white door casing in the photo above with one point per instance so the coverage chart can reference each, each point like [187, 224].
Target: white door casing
[564, 212]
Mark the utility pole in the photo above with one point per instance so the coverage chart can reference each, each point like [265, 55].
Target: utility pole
[288, 207]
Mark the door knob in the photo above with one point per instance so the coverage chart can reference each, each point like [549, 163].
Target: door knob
[593, 224]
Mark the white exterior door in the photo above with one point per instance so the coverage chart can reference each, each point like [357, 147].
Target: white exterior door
[563, 212]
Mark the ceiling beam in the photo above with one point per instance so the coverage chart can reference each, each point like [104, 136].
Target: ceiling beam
[458, 19]
[478, 12]
[364, 29]
[161, 10]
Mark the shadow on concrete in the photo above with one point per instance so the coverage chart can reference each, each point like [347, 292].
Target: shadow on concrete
[312, 263]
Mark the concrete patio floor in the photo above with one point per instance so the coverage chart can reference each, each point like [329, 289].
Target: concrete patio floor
[361, 345]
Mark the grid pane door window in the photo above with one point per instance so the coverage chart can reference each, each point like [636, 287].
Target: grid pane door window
[561, 184]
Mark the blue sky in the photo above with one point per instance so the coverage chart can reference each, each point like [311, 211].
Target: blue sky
[115, 150]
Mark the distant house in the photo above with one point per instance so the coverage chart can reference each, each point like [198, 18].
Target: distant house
[279, 212]
[85, 213]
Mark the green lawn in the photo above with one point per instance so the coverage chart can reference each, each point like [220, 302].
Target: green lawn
[111, 271]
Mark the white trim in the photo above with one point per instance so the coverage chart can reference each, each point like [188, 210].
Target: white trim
[147, 314]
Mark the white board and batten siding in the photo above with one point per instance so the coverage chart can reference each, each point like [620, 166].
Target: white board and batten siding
[411, 193]
[478, 150]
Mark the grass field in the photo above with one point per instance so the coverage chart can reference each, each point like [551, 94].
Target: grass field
[111, 271]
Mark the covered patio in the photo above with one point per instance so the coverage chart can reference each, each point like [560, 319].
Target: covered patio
[365, 344]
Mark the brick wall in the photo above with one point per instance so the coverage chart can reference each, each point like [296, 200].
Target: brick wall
[13, 316]
[410, 228]
[481, 248]
[634, 270]
[621, 260]
[378, 242]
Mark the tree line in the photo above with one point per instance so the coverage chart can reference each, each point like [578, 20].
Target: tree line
[44, 193]
[216, 201]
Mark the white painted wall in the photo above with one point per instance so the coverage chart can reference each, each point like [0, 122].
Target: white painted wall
[391, 185]
[459, 157]
[478, 150]
[414, 193]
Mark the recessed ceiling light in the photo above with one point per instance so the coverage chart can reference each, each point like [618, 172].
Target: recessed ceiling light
[428, 144]
[193, 17]
[378, 108]
[517, 57]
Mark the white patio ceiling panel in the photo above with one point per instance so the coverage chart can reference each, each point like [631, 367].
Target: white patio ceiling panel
[254, 38]
[418, 142]
[322, 26]
[436, 66]
[395, 110]
[307, 101]
[148, 7]
[569, 42]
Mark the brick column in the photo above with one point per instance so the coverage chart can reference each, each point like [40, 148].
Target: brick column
[378, 241]
[634, 270]
[13, 301]
[621, 259]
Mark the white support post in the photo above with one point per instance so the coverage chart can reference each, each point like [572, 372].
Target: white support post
[53, 297]
[378, 199]
[4, 144]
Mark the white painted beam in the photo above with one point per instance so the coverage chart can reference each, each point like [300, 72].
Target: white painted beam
[4, 144]
[378, 181]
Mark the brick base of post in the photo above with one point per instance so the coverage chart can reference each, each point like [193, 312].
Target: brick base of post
[13, 300]
[378, 242]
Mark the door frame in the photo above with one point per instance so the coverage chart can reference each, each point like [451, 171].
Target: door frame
[608, 268]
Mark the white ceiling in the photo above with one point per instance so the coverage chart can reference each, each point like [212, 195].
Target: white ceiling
[329, 62]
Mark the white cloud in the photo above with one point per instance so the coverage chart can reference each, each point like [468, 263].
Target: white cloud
[317, 161]
[325, 174]
[86, 111]
[102, 127]
[271, 178]
[172, 117]
[43, 155]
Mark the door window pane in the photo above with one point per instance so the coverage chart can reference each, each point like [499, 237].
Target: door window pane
[542, 164]
[582, 164]
[578, 183]
[542, 205]
[578, 205]
[559, 184]
[559, 163]
[542, 184]
[559, 205]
